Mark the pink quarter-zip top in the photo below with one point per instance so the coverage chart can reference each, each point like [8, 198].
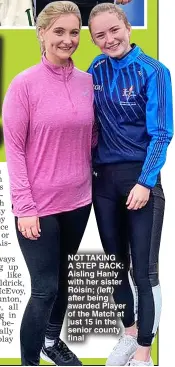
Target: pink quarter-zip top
[47, 120]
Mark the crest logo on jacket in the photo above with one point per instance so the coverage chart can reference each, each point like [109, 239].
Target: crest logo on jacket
[127, 97]
[128, 93]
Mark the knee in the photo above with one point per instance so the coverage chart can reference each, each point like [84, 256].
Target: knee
[141, 281]
[46, 295]
[153, 275]
[146, 279]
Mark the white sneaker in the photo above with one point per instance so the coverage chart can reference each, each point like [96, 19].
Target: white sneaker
[134, 362]
[123, 351]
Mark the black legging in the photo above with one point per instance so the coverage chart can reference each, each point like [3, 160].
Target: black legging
[47, 262]
[111, 185]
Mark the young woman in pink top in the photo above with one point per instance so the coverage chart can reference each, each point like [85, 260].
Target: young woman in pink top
[48, 118]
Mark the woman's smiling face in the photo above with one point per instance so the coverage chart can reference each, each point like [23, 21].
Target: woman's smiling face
[110, 34]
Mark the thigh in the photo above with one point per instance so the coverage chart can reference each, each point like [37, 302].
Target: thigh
[112, 225]
[145, 227]
[42, 255]
[72, 227]
[110, 212]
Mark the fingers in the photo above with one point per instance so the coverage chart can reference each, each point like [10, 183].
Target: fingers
[138, 197]
[35, 231]
[143, 203]
[23, 231]
[130, 198]
[124, 2]
[132, 203]
[19, 227]
[28, 233]
[136, 204]
[38, 226]
[30, 230]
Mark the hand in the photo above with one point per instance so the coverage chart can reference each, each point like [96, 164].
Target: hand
[123, 2]
[138, 197]
[29, 227]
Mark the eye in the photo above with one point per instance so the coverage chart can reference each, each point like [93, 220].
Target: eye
[75, 33]
[114, 30]
[59, 33]
[100, 36]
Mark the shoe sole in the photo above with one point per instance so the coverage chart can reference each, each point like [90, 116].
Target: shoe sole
[127, 363]
[132, 355]
[47, 359]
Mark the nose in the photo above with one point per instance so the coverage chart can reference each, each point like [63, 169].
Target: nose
[67, 39]
[109, 37]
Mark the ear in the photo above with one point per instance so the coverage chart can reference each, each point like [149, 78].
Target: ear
[130, 29]
[93, 41]
[41, 33]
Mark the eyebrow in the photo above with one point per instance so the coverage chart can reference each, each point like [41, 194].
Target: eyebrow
[102, 32]
[63, 29]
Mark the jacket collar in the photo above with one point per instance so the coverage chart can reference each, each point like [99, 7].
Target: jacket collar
[126, 59]
[62, 73]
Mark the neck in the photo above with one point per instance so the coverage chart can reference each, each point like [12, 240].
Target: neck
[126, 51]
[129, 48]
[56, 60]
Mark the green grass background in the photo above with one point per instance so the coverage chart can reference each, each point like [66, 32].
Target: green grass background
[85, 361]
[21, 50]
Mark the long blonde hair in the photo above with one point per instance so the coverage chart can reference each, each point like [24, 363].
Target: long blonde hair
[53, 11]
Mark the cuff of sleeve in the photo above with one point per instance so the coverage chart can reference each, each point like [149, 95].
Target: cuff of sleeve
[26, 213]
[145, 185]
[23, 204]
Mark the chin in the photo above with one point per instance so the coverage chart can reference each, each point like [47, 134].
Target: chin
[112, 54]
[62, 55]
[65, 56]
[119, 55]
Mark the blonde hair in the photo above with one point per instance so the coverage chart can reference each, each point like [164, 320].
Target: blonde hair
[53, 11]
[110, 8]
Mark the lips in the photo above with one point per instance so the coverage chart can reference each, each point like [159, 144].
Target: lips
[65, 48]
[114, 47]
